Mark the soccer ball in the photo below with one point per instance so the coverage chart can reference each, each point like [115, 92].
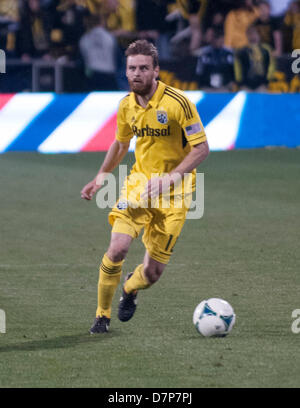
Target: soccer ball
[214, 318]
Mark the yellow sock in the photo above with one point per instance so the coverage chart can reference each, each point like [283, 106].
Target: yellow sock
[137, 280]
[109, 278]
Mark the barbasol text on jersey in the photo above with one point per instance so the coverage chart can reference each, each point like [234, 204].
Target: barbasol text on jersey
[149, 131]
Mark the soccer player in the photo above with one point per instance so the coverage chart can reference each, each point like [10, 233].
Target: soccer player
[171, 142]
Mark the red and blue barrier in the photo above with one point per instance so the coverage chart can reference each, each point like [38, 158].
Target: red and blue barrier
[70, 123]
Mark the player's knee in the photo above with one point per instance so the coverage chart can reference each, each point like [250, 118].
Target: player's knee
[117, 254]
[152, 274]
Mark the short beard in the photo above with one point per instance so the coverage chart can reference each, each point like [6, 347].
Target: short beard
[142, 91]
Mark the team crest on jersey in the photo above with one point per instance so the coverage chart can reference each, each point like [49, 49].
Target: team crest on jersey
[162, 117]
[122, 205]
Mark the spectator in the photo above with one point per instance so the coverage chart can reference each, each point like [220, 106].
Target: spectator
[220, 6]
[237, 22]
[254, 64]
[98, 49]
[120, 21]
[118, 17]
[95, 6]
[268, 28]
[193, 12]
[278, 9]
[216, 25]
[151, 24]
[196, 13]
[9, 10]
[292, 20]
[68, 28]
[215, 64]
[9, 17]
[33, 39]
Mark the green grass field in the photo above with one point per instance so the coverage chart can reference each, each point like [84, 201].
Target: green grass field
[245, 249]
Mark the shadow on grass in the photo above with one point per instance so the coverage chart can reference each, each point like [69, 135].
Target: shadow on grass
[57, 342]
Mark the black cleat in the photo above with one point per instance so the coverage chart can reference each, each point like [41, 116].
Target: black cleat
[127, 304]
[101, 325]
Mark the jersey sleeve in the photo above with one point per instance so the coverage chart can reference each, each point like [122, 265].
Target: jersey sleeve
[124, 132]
[191, 124]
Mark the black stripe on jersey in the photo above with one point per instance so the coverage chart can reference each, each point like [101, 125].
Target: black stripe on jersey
[179, 101]
[187, 109]
[184, 100]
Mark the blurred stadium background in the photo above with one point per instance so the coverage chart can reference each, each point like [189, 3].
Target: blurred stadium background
[236, 56]
[62, 76]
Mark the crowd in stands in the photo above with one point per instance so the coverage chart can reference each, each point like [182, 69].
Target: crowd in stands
[236, 42]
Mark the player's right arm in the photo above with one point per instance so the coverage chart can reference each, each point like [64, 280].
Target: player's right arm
[113, 158]
[114, 155]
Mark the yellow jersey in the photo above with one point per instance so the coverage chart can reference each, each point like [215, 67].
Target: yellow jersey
[166, 129]
[165, 132]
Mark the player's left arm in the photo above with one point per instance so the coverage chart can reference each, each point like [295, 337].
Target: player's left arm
[190, 122]
[196, 156]
[158, 185]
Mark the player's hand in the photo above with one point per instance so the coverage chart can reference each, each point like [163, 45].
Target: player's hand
[159, 185]
[153, 188]
[89, 190]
